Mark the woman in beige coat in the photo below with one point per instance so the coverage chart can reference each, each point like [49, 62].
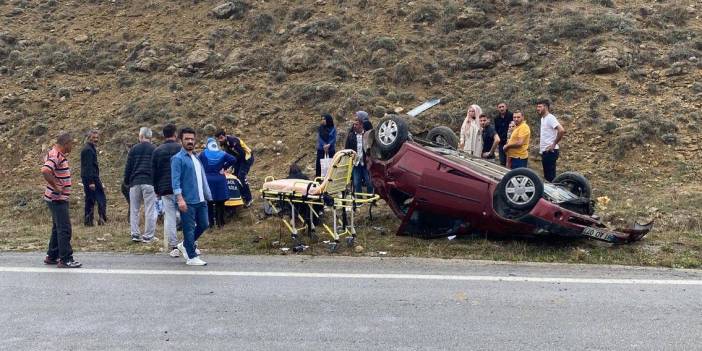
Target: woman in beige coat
[470, 139]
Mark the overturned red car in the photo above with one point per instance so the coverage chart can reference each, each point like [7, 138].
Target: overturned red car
[436, 190]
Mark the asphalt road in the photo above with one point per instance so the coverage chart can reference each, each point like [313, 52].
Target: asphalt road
[134, 302]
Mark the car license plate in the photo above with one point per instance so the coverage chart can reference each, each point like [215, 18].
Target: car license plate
[598, 234]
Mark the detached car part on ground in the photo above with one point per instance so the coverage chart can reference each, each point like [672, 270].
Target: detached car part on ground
[439, 191]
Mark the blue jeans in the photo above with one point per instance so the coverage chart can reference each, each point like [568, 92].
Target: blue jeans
[195, 222]
[518, 162]
[360, 175]
[241, 172]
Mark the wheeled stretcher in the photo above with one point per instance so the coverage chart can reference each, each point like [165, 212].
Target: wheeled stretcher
[330, 192]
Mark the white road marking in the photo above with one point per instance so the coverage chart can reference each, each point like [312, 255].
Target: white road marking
[379, 276]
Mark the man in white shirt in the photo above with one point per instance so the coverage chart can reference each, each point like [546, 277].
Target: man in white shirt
[354, 141]
[192, 193]
[551, 134]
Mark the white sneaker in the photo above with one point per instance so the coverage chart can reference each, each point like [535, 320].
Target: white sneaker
[197, 261]
[174, 253]
[182, 250]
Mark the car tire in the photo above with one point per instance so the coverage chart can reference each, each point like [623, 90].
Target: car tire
[520, 189]
[574, 182]
[391, 133]
[443, 136]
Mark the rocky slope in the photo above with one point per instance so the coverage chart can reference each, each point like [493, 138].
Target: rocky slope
[624, 77]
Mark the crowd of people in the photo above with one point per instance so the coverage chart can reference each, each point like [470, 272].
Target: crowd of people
[192, 188]
[510, 137]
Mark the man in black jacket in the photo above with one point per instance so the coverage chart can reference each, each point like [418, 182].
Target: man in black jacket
[137, 175]
[161, 170]
[502, 120]
[354, 141]
[90, 175]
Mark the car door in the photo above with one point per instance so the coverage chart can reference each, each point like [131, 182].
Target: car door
[447, 191]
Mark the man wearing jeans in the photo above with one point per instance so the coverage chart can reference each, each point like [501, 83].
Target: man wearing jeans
[354, 141]
[517, 148]
[137, 174]
[57, 174]
[551, 134]
[192, 193]
[161, 170]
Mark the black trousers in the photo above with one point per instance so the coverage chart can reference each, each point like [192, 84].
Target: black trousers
[215, 213]
[61, 231]
[503, 155]
[91, 197]
[548, 160]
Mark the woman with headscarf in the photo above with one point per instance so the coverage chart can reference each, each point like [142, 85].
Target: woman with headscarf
[326, 141]
[470, 139]
[215, 161]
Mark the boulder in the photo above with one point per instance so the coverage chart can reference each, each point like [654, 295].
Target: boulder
[515, 55]
[80, 38]
[470, 18]
[298, 59]
[678, 69]
[483, 59]
[233, 10]
[198, 58]
[605, 61]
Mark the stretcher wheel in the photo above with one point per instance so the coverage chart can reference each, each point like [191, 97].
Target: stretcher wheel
[350, 240]
[333, 247]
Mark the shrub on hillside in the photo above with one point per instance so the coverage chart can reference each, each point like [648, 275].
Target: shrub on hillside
[405, 72]
[565, 88]
[301, 14]
[427, 14]
[605, 3]
[321, 28]
[147, 110]
[682, 52]
[312, 94]
[649, 127]
[573, 25]
[675, 14]
[261, 24]
[386, 43]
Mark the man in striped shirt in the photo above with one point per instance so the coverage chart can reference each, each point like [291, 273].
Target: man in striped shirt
[57, 174]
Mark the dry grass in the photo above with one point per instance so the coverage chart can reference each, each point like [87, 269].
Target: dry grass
[671, 244]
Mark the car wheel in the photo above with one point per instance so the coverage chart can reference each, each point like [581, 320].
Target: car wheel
[443, 136]
[390, 134]
[520, 189]
[574, 182]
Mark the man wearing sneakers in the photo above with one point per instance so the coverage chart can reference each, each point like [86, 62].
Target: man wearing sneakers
[192, 193]
[137, 175]
[57, 174]
[161, 164]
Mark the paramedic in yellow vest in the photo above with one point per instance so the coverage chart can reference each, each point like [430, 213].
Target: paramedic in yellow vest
[244, 157]
[517, 148]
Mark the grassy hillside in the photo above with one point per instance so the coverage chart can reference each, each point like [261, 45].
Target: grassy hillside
[624, 76]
